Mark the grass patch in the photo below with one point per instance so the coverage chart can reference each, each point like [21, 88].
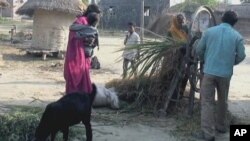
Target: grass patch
[20, 24]
[186, 125]
[7, 21]
[20, 123]
[4, 37]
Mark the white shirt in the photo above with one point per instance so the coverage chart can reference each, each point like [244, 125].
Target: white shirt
[132, 39]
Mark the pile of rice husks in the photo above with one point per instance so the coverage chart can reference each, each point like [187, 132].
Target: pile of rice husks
[158, 64]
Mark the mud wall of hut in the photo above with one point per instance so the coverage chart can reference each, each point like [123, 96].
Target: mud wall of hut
[50, 30]
[242, 26]
[244, 18]
[117, 13]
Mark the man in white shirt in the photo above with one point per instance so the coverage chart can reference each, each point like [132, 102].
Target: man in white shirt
[132, 38]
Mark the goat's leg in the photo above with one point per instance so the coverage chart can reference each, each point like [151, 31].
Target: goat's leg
[88, 131]
[88, 128]
[53, 135]
[65, 133]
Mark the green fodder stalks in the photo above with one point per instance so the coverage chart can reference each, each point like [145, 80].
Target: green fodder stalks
[20, 123]
[159, 66]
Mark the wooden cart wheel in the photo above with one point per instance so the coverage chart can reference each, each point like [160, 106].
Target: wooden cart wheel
[203, 19]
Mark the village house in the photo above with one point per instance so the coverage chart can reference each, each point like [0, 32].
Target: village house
[244, 19]
[4, 3]
[117, 13]
[51, 21]
[10, 11]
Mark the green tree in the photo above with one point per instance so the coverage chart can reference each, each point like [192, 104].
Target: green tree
[245, 1]
[205, 2]
[85, 1]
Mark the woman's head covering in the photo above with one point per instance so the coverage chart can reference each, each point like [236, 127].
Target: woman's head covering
[176, 30]
[92, 8]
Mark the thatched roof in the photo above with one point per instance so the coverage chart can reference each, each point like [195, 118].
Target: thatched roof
[67, 6]
[4, 3]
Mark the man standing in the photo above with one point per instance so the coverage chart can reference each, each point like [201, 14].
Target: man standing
[129, 55]
[221, 47]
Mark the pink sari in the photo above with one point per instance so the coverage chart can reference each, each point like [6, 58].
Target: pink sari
[76, 66]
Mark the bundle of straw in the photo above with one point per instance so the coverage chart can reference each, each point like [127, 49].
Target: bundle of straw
[156, 65]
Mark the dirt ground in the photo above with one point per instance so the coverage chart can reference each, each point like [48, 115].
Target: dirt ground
[27, 80]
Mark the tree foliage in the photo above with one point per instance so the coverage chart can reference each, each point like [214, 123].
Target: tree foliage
[192, 5]
[85, 1]
[245, 1]
[205, 2]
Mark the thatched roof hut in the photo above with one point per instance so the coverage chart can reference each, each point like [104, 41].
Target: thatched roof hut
[4, 3]
[51, 22]
[65, 6]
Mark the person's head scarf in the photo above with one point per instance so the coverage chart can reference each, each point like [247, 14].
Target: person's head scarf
[92, 8]
[176, 30]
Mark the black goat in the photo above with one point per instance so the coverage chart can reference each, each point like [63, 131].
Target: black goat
[67, 111]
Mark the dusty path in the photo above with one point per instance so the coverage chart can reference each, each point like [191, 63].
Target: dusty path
[25, 78]
[239, 93]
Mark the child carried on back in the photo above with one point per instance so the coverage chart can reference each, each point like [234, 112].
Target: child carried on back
[88, 33]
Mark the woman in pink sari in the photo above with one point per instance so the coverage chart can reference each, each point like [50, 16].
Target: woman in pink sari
[77, 65]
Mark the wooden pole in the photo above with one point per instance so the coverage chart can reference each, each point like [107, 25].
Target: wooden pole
[1, 12]
[142, 21]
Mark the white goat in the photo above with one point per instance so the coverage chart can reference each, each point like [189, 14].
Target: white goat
[106, 97]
